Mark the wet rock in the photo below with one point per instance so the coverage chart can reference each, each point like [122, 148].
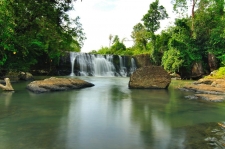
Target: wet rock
[208, 89]
[150, 77]
[57, 84]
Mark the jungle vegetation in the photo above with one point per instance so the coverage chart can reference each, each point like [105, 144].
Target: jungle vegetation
[189, 40]
[40, 31]
[36, 31]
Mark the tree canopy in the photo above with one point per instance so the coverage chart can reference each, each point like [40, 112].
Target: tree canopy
[39, 29]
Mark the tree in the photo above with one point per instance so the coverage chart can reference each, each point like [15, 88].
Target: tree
[182, 51]
[140, 36]
[151, 20]
[110, 39]
[153, 16]
[117, 47]
[7, 26]
[40, 30]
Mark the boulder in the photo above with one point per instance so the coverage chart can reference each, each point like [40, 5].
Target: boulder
[57, 84]
[25, 76]
[150, 77]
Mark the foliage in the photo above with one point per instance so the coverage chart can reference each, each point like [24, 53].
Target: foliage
[218, 74]
[140, 36]
[32, 29]
[188, 41]
[153, 16]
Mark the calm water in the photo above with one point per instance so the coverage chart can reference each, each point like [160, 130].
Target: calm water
[107, 116]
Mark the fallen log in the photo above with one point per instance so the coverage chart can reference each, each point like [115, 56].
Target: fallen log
[8, 86]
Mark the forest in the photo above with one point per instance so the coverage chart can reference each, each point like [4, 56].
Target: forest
[39, 31]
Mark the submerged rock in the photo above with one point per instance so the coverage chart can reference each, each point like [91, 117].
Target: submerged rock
[57, 84]
[150, 77]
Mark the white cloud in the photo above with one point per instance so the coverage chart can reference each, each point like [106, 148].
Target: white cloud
[100, 18]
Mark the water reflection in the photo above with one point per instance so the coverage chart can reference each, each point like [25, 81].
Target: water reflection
[7, 97]
[109, 116]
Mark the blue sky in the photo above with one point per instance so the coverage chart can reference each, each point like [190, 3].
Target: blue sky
[100, 18]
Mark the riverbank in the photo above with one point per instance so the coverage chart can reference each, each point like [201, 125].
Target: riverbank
[208, 89]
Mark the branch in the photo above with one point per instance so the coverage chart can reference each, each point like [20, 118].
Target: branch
[8, 86]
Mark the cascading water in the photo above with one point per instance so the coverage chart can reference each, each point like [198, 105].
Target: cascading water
[99, 65]
[133, 66]
[92, 65]
[123, 69]
[103, 66]
[72, 60]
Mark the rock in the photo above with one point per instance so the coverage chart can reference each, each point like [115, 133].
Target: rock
[197, 70]
[57, 84]
[25, 76]
[208, 89]
[150, 77]
[212, 61]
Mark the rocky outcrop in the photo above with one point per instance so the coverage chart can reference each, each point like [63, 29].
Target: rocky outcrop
[207, 89]
[213, 62]
[197, 71]
[57, 84]
[150, 77]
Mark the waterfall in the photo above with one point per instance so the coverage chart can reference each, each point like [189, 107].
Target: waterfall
[123, 69]
[72, 60]
[93, 65]
[133, 66]
[100, 65]
[103, 66]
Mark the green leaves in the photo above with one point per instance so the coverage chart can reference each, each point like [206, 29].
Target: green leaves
[35, 28]
[153, 16]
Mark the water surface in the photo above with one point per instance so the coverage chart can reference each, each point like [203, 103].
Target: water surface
[107, 116]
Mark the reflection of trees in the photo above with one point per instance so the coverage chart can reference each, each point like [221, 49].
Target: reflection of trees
[148, 111]
[32, 122]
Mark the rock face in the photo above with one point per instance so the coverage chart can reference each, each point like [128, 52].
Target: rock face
[57, 84]
[149, 77]
[207, 89]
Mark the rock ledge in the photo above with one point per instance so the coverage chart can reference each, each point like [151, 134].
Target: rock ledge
[207, 89]
[57, 84]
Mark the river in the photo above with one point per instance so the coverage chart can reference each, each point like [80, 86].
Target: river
[108, 116]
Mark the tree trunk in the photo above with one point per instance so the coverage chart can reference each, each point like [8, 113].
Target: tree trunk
[8, 86]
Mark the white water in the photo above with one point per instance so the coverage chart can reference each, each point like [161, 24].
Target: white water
[72, 59]
[103, 66]
[93, 65]
[123, 69]
[98, 65]
[133, 66]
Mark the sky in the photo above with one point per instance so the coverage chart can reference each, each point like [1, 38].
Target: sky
[100, 18]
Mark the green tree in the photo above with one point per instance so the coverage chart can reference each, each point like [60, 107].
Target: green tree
[151, 21]
[7, 26]
[140, 36]
[117, 47]
[182, 51]
[42, 30]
